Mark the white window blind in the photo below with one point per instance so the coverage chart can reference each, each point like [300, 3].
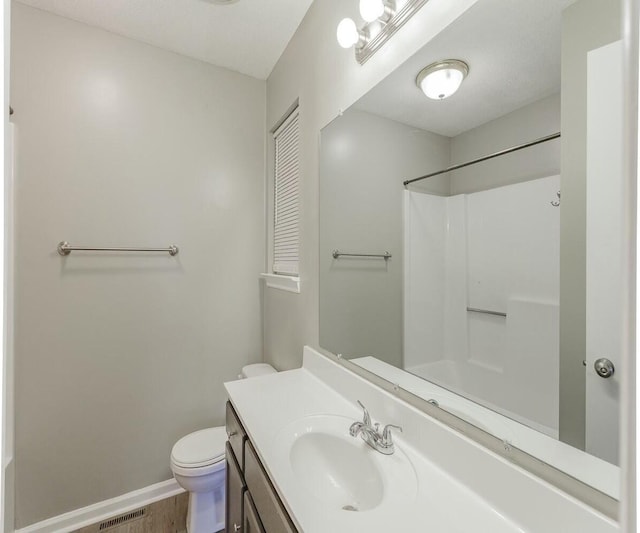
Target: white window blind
[286, 234]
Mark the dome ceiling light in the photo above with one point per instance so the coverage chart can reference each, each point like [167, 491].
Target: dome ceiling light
[442, 79]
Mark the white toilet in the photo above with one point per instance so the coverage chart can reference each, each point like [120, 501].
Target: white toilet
[198, 465]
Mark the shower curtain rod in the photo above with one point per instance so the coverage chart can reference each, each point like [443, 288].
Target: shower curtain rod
[486, 157]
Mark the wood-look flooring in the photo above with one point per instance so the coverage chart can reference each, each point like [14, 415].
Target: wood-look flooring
[165, 516]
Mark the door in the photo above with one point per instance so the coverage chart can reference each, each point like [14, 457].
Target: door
[605, 223]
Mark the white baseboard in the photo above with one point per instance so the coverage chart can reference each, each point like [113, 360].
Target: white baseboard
[100, 511]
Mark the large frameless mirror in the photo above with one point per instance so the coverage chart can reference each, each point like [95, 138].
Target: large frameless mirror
[493, 290]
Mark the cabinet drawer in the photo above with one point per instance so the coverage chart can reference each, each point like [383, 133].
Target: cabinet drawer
[251, 522]
[235, 489]
[236, 435]
[271, 511]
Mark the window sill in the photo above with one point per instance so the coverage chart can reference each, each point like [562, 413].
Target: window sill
[284, 283]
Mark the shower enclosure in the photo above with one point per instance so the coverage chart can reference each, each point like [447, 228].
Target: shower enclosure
[481, 296]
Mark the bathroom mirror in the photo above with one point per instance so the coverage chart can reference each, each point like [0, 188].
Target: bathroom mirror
[493, 291]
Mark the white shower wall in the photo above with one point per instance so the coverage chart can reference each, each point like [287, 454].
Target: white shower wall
[435, 278]
[496, 250]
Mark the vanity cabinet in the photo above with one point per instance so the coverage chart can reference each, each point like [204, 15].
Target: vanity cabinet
[235, 491]
[251, 522]
[252, 505]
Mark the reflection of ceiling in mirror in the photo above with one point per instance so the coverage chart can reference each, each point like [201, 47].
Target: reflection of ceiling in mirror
[513, 51]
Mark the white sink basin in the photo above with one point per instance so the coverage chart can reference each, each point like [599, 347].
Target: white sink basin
[337, 471]
[342, 472]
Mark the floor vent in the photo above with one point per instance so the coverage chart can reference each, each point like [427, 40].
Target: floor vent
[119, 520]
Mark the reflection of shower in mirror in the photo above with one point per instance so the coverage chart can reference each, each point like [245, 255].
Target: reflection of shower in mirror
[497, 249]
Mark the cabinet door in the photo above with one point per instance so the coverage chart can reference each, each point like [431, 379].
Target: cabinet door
[235, 494]
[272, 513]
[236, 435]
[251, 523]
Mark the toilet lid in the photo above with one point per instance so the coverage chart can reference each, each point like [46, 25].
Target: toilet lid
[201, 448]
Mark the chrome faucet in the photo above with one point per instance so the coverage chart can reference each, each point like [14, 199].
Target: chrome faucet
[380, 441]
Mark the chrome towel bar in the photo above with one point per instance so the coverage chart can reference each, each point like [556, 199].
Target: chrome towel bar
[485, 312]
[337, 254]
[64, 248]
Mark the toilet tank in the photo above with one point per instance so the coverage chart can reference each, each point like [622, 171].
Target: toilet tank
[256, 370]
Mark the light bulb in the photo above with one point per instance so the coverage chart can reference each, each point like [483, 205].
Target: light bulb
[347, 33]
[371, 10]
[440, 80]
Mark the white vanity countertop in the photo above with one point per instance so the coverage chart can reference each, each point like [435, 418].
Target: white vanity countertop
[443, 502]
[268, 404]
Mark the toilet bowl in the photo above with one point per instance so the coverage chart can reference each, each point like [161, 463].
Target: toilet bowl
[198, 465]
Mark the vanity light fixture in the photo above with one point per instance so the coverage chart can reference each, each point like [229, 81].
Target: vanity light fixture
[348, 34]
[442, 78]
[372, 10]
[382, 19]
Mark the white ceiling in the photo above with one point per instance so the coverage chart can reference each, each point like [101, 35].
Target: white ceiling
[513, 51]
[247, 36]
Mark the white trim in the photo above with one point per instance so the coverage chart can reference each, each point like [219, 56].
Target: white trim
[6, 287]
[630, 412]
[284, 283]
[100, 511]
[289, 118]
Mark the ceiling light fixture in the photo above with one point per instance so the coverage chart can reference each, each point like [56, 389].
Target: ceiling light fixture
[442, 78]
[382, 20]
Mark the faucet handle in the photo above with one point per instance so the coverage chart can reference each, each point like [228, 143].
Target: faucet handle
[386, 434]
[367, 418]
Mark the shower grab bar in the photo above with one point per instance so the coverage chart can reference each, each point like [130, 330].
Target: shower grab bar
[337, 254]
[64, 248]
[486, 312]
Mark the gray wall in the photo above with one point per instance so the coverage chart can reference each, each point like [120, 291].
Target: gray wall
[364, 159]
[530, 122]
[117, 356]
[325, 78]
[586, 25]
[363, 162]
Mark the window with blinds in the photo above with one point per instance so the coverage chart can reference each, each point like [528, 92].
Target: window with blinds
[286, 234]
